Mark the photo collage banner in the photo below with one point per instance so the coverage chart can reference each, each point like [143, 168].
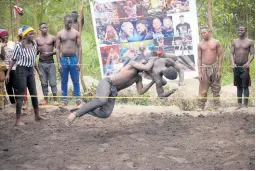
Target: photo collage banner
[129, 29]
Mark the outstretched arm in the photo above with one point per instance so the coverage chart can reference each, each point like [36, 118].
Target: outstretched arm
[143, 67]
[139, 85]
[161, 93]
[181, 74]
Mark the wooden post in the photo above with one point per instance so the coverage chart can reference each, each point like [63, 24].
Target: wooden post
[11, 10]
[210, 14]
[42, 10]
[81, 29]
[17, 16]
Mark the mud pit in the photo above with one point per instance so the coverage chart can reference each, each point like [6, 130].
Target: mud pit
[134, 137]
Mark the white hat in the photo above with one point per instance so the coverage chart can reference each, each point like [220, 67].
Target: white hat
[20, 32]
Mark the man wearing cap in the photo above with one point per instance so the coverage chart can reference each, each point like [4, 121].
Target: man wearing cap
[25, 103]
[24, 57]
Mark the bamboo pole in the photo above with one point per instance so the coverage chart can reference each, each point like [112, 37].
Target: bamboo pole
[11, 10]
[81, 29]
[17, 16]
[209, 11]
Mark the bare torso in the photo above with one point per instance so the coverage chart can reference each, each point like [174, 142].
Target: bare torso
[46, 44]
[126, 77]
[241, 50]
[75, 25]
[68, 41]
[209, 51]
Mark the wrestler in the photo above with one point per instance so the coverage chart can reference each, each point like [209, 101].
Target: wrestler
[209, 67]
[240, 49]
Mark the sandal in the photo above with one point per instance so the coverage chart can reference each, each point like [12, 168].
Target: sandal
[43, 102]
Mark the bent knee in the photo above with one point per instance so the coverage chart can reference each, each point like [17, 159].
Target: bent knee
[102, 100]
[105, 115]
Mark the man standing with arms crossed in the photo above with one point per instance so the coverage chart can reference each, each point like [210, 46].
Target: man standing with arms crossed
[46, 43]
[68, 41]
[209, 67]
[240, 49]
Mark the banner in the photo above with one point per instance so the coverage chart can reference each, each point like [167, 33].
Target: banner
[128, 29]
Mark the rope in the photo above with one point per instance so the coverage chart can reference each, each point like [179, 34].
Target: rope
[127, 97]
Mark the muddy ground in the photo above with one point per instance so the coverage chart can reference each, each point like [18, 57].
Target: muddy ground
[134, 137]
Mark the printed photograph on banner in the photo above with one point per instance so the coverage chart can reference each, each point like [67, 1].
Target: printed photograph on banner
[106, 14]
[176, 6]
[165, 44]
[143, 28]
[183, 45]
[108, 34]
[148, 8]
[182, 24]
[110, 59]
[130, 51]
[183, 48]
[127, 10]
[128, 32]
[161, 27]
[186, 62]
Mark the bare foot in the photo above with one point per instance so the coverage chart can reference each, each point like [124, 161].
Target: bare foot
[19, 123]
[39, 118]
[55, 103]
[78, 107]
[81, 104]
[25, 106]
[71, 118]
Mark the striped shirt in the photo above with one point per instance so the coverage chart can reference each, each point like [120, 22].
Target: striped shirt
[25, 56]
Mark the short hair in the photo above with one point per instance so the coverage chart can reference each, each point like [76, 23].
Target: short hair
[74, 12]
[42, 24]
[67, 16]
[205, 28]
[144, 22]
[181, 15]
[241, 25]
[170, 73]
[165, 18]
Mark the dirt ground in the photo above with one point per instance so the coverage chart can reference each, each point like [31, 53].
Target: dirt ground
[134, 137]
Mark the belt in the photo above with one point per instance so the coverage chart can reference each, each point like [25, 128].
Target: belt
[46, 61]
[68, 56]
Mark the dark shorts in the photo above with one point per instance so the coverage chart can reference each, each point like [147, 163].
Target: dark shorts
[106, 109]
[242, 77]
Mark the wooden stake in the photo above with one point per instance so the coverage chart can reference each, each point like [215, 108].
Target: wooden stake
[81, 29]
[210, 14]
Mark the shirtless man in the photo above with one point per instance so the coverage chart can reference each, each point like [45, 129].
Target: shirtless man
[167, 67]
[209, 67]
[46, 44]
[240, 49]
[109, 86]
[75, 24]
[68, 42]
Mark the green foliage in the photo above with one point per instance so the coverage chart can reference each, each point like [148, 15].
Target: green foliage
[227, 16]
